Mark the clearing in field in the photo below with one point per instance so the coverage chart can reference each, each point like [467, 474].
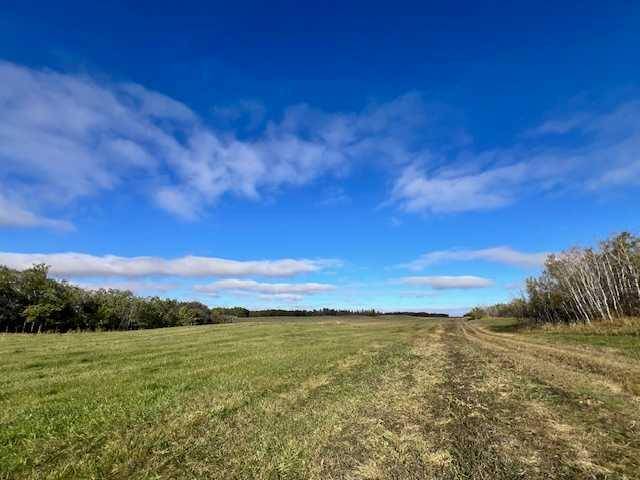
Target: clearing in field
[320, 398]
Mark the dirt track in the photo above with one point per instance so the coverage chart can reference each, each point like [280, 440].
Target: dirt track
[481, 405]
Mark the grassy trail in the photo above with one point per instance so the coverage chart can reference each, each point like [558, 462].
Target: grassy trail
[397, 398]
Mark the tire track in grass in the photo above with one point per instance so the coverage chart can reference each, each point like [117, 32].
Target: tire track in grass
[582, 385]
[577, 407]
[573, 379]
[611, 367]
[563, 375]
[473, 418]
[492, 432]
[383, 435]
[444, 413]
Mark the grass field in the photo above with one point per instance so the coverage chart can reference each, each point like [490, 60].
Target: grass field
[323, 398]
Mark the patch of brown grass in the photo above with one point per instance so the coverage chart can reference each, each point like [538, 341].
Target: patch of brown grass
[618, 326]
[591, 415]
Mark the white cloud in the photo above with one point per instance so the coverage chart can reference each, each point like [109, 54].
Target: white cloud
[610, 153]
[136, 287]
[446, 282]
[80, 264]
[234, 284]
[442, 193]
[65, 136]
[559, 126]
[502, 254]
[177, 202]
[279, 297]
[13, 215]
[603, 152]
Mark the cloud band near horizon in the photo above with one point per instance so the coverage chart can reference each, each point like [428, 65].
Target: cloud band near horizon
[80, 264]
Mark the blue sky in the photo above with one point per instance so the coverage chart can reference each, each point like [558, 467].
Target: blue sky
[398, 156]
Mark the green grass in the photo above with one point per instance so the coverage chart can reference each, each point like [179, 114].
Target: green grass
[95, 404]
[628, 345]
[620, 336]
[500, 325]
[317, 398]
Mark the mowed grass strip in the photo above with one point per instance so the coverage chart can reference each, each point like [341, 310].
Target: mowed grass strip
[226, 401]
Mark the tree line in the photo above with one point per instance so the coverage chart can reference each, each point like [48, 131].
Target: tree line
[581, 285]
[419, 314]
[32, 302]
[330, 312]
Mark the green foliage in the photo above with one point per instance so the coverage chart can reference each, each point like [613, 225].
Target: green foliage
[582, 285]
[476, 313]
[30, 301]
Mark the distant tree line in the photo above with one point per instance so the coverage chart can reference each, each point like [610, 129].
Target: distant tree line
[333, 312]
[277, 312]
[581, 285]
[31, 302]
[419, 314]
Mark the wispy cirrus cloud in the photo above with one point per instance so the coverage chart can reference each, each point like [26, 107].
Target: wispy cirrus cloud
[603, 152]
[74, 264]
[559, 126]
[447, 282]
[15, 215]
[446, 193]
[502, 254]
[66, 136]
